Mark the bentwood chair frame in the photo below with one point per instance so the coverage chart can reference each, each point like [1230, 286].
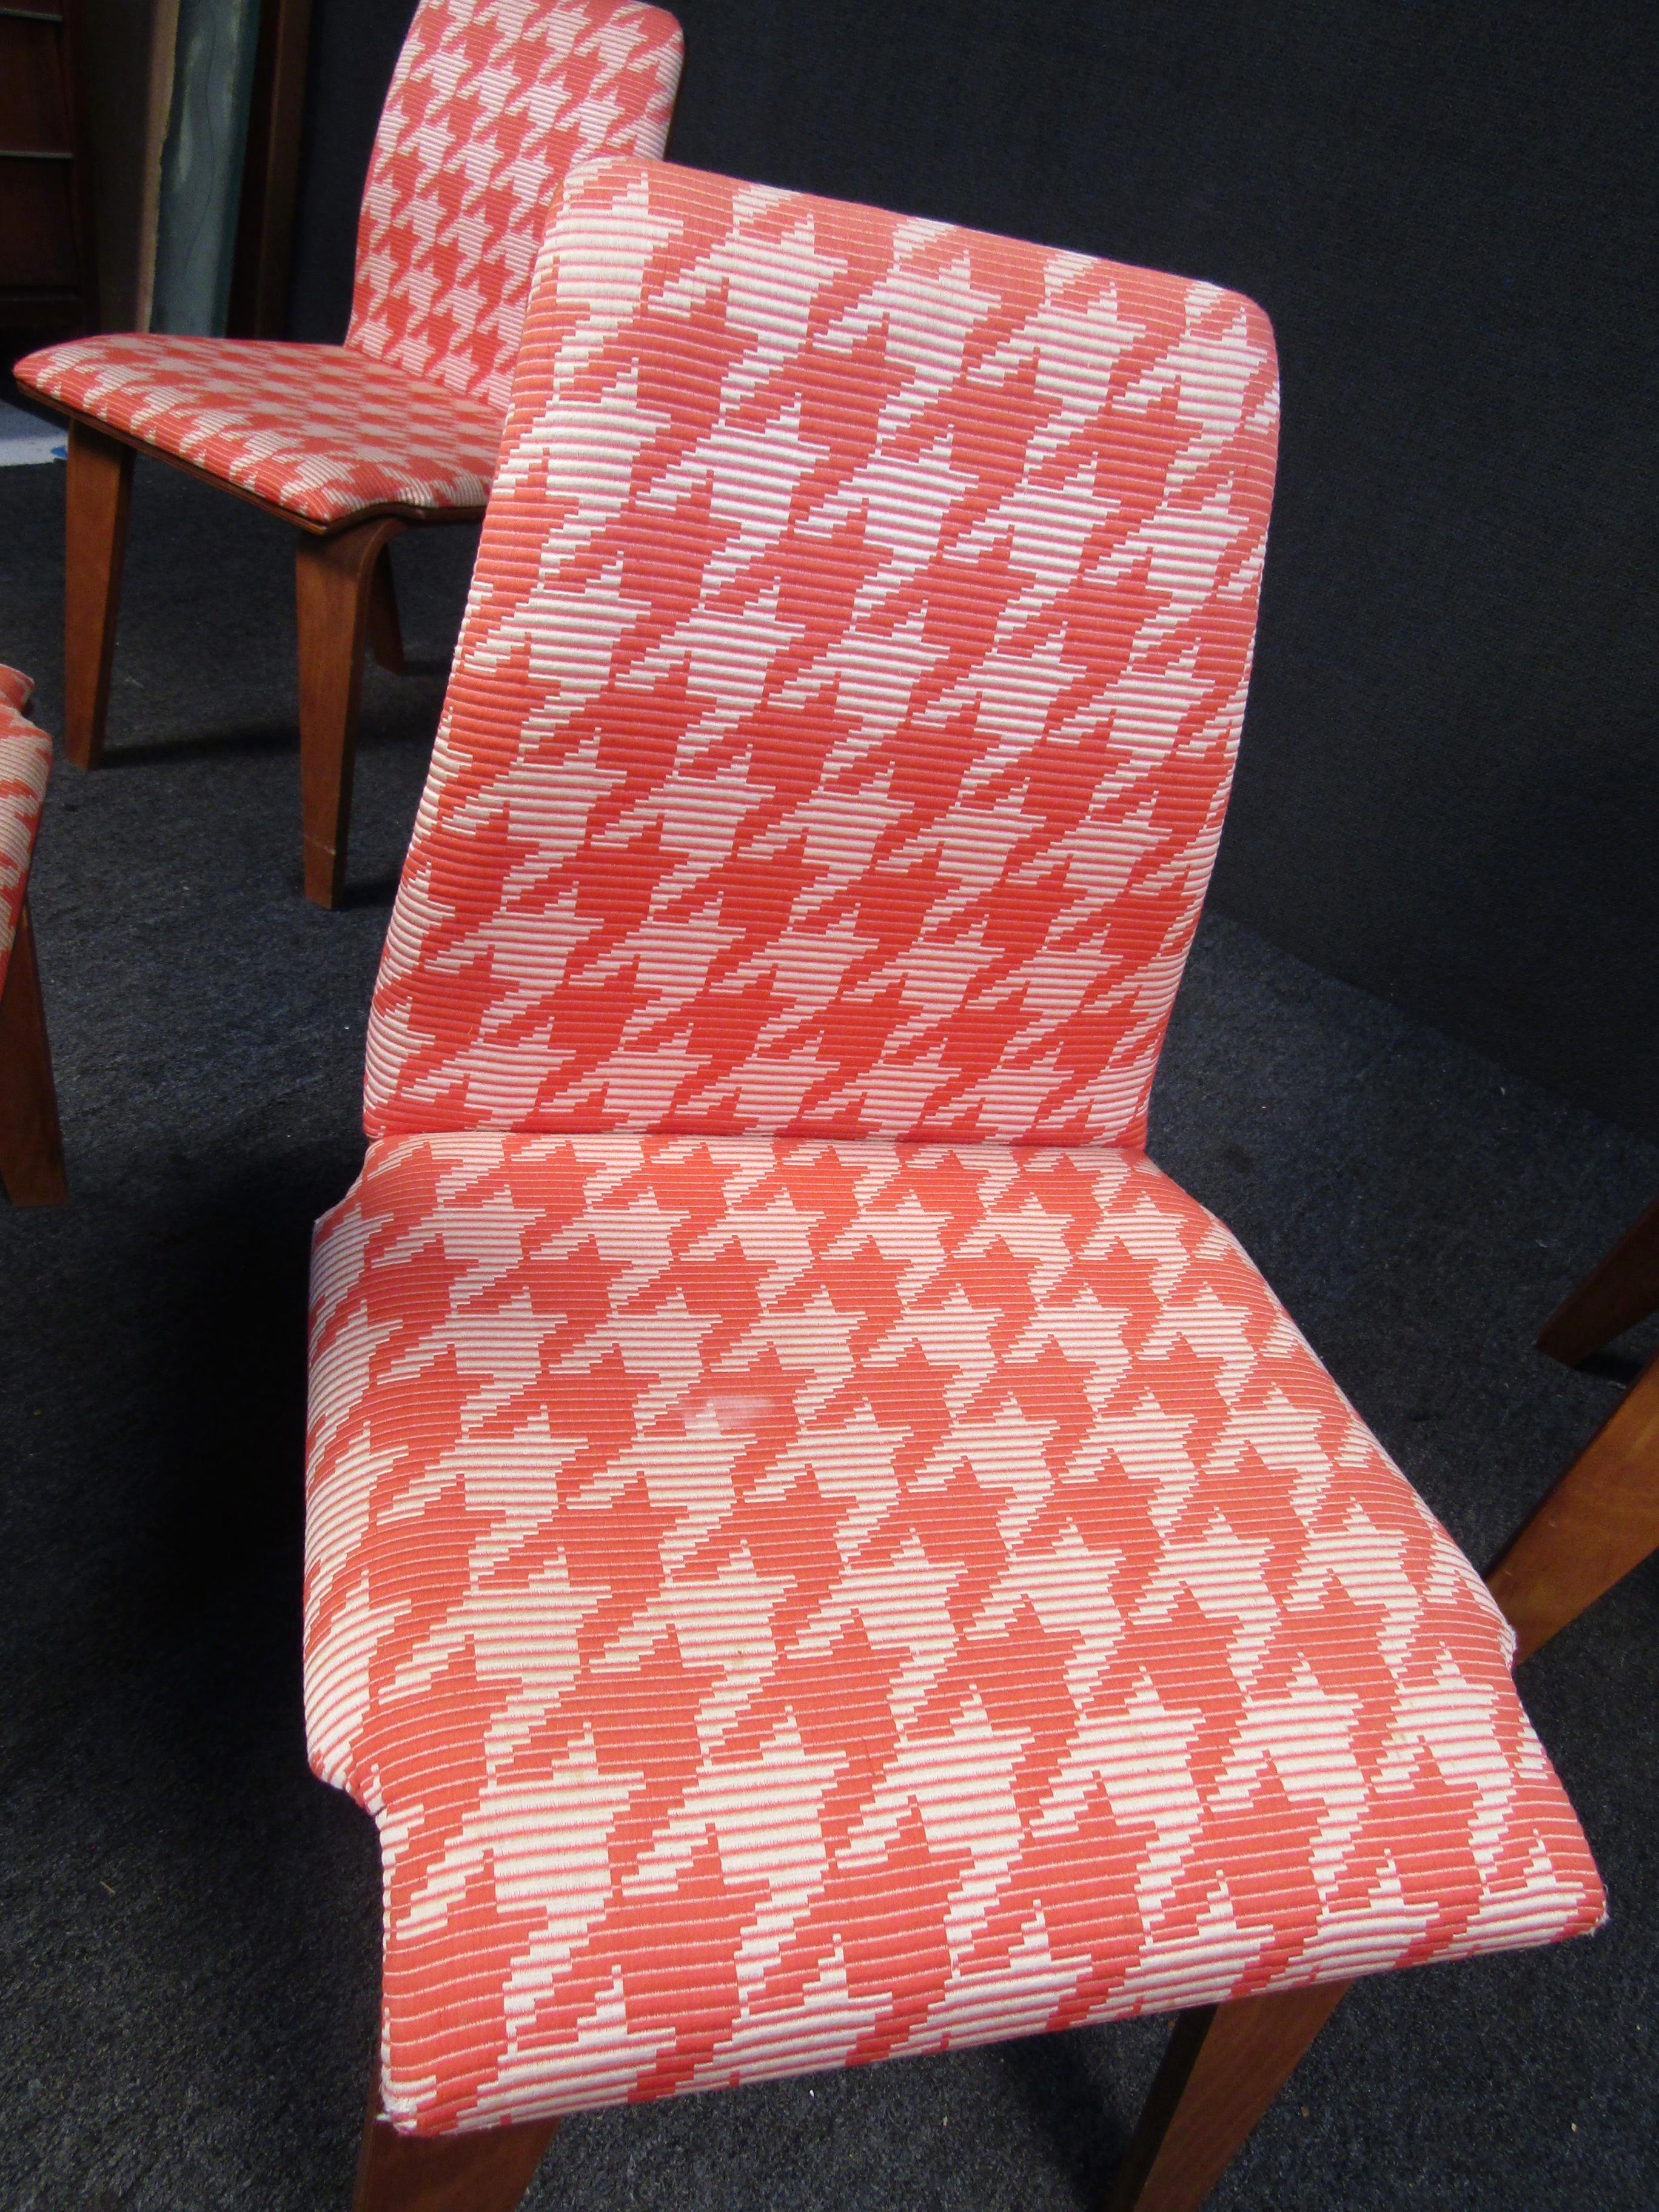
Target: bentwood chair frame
[1601, 1520]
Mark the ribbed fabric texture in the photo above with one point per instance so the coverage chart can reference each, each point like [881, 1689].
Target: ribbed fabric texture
[491, 103]
[845, 708]
[792, 1604]
[316, 429]
[790, 1595]
[24, 764]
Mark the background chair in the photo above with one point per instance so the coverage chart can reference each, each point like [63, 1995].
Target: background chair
[30, 1143]
[490, 104]
[816, 1550]
[1601, 1519]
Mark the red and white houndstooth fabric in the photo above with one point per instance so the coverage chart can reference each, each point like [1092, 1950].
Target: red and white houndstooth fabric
[491, 102]
[24, 764]
[789, 1603]
[315, 429]
[791, 1596]
[842, 725]
[490, 105]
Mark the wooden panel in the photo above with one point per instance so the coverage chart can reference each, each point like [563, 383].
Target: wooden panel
[45, 233]
[49, 308]
[34, 113]
[37, 225]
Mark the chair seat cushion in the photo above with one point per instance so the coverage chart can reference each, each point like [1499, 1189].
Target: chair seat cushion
[792, 1603]
[24, 764]
[322, 431]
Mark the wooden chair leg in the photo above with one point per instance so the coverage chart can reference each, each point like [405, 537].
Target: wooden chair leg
[1601, 1520]
[485, 2172]
[99, 490]
[334, 583]
[385, 636]
[1224, 2067]
[31, 1143]
[1619, 1291]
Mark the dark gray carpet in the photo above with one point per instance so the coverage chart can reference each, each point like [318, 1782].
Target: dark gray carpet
[190, 1923]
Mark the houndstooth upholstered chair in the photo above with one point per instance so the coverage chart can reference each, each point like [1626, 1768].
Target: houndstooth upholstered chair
[816, 1549]
[31, 1145]
[491, 102]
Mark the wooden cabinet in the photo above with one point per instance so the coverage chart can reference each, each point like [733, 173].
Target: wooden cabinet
[47, 277]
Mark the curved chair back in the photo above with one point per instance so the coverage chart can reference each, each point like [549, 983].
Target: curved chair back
[491, 103]
[845, 708]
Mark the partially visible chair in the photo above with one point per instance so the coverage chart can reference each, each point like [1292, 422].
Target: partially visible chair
[817, 1551]
[1601, 1520]
[492, 102]
[31, 1144]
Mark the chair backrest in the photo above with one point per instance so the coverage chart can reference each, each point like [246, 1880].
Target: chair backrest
[491, 102]
[845, 706]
